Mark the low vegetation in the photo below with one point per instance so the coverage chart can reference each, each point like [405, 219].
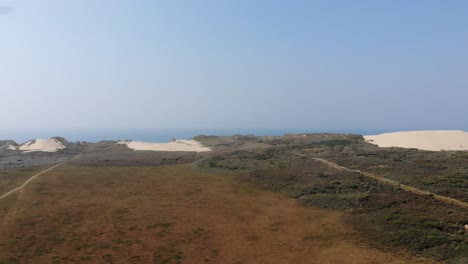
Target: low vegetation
[12, 178]
[167, 214]
[386, 216]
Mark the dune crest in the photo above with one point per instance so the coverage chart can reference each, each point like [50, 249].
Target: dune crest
[435, 140]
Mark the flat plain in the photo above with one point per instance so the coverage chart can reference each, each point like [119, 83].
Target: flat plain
[170, 214]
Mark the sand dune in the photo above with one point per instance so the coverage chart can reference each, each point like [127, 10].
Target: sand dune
[177, 145]
[436, 140]
[11, 147]
[45, 145]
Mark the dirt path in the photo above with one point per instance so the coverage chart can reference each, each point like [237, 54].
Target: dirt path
[35, 176]
[408, 188]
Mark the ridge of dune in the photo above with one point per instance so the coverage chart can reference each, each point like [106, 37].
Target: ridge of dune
[44, 145]
[433, 140]
[176, 145]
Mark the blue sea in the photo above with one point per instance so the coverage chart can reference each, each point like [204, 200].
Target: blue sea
[151, 135]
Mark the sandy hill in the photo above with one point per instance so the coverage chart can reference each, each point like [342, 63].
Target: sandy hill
[176, 145]
[436, 140]
[44, 145]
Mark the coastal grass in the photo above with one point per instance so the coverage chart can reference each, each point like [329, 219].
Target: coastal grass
[12, 178]
[170, 214]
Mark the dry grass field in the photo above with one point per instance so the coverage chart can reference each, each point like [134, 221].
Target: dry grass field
[169, 214]
[12, 178]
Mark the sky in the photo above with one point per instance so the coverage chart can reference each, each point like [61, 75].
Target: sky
[233, 65]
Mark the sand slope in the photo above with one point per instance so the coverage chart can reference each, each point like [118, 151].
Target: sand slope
[11, 147]
[177, 145]
[45, 145]
[425, 140]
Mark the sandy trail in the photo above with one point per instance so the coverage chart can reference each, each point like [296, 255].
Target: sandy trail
[35, 176]
[408, 188]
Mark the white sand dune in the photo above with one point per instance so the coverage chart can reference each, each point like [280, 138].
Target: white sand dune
[435, 140]
[11, 147]
[177, 145]
[45, 145]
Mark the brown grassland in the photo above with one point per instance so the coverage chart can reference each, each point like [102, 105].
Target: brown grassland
[12, 178]
[169, 214]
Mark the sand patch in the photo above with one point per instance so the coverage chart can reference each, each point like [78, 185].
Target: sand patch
[176, 145]
[436, 140]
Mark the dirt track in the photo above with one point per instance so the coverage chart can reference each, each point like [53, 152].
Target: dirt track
[35, 176]
[408, 188]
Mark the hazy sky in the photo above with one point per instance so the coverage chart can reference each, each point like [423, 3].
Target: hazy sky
[318, 65]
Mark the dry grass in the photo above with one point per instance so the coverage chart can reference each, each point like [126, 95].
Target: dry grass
[168, 214]
[12, 178]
